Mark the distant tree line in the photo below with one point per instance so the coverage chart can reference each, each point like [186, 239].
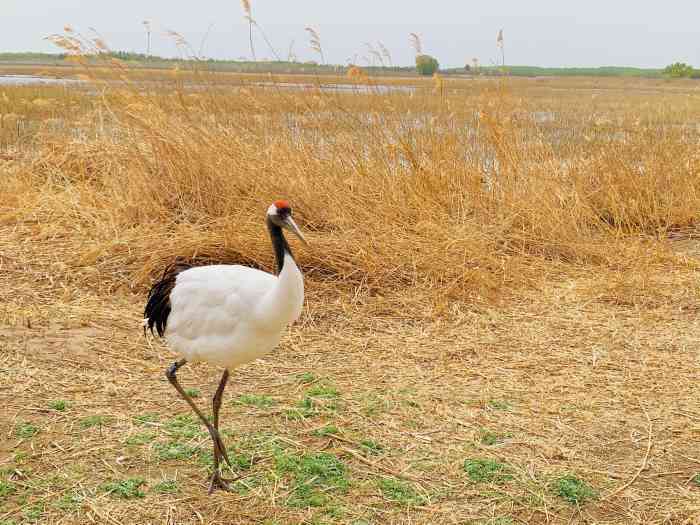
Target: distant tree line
[425, 65]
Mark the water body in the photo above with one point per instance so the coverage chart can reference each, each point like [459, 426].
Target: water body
[31, 80]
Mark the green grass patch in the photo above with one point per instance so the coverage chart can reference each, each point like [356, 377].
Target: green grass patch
[245, 485]
[184, 426]
[696, 479]
[328, 430]
[305, 408]
[318, 398]
[372, 404]
[174, 450]
[574, 490]
[193, 392]
[315, 476]
[323, 390]
[34, 513]
[58, 405]
[499, 404]
[140, 438]
[26, 430]
[167, 486]
[488, 438]
[125, 489]
[487, 471]
[371, 447]
[400, 492]
[143, 419]
[255, 401]
[6, 489]
[68, 502]
[306, 378]
[92, 421]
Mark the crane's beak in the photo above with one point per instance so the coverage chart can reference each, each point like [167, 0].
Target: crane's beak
[292, 226]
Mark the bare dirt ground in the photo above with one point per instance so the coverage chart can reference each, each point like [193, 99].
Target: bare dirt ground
[548, 387]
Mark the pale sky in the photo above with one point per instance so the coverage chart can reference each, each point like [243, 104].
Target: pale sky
[642, 33]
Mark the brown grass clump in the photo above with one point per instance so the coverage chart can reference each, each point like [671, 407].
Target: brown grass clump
[520, 257]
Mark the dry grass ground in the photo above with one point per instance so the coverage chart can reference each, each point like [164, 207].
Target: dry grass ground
[502, 315]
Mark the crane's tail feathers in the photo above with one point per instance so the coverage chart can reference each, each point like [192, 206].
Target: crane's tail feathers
[158, 304]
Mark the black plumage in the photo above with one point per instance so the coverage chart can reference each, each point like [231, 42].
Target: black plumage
[158, 305]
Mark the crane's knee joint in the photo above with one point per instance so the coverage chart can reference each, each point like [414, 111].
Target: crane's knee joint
[172, 369]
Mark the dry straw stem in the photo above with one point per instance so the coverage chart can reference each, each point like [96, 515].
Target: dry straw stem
[644, 461]
[416, 43]
[520, 257]
[315, 42]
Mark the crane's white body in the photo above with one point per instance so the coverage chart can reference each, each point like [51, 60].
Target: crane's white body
[228, 315]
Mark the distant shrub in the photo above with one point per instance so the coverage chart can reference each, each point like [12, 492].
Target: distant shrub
[427, 65]
[679, 70]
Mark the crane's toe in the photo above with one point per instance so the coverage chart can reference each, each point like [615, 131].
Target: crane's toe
[216, 482]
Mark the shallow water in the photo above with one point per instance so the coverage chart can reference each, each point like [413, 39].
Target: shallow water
[339, 88]
[31, 80]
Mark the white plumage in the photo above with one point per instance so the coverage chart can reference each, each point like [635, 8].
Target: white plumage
[227, 315]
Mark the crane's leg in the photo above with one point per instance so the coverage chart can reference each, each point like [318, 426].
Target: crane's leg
[219, 448]
[216, 406]
[216, 480]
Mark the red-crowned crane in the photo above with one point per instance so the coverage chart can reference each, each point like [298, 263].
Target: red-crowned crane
[227, 315]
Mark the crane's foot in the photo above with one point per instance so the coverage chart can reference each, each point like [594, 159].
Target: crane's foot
[216, 482]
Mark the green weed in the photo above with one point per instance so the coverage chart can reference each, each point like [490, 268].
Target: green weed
[323, 391]
[255, 400]
[6, 488]
[92, 421]
[125, 489]
[26, 430]
[68, 502]
[193, 392]
[304, 409]
[141, 438]
[59, 405]
[400, 492]
[183, 426]
[499, 405]
[328, 430]
[372, 447]
[306, 378]
[574, 490]
[489, 438]
[143, 419]
[372, 405]
[486, 471]
[34, 513]
[174, 450]
[167, 486]
[314, 476]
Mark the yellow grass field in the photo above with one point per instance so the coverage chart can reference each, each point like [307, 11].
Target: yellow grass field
[502, 317]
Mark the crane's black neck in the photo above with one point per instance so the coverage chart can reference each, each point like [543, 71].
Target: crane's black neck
[279, 243]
